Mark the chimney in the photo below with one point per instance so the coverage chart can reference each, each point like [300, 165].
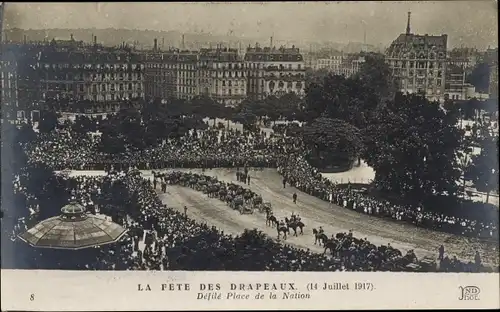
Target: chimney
[25, 39]
[163, 42]
[182, 45]
[155, 46]
[95, 40]
[408, 24]
[271, 45]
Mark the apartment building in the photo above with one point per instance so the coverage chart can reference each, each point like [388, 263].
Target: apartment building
[222, 75]
[160, 73]
[419, 63]
[332, 63]
[274, 71]
[186, 74]
[99, 77]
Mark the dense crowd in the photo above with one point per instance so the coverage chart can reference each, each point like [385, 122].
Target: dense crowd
[219, 148]
[298, 172]
[161, 238]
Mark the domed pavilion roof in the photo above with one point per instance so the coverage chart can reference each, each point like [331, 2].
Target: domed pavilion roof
[73, 229]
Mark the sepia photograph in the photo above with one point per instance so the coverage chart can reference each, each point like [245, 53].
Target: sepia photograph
[242, 138]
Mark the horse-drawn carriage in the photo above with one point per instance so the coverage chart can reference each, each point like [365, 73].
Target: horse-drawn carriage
[237, 202]
[246, 209]
[257, 202]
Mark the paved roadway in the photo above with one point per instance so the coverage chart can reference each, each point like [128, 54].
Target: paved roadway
[314, 213]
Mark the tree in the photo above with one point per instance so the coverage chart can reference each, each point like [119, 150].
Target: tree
[484, 168]
[480, 77]
[315, 76]
[258, 107]
[26, 133]
[376, 77]
[332, 141]
[289, 106]
[412, 145]
[246, 118]
[205, 106]
[48, 121]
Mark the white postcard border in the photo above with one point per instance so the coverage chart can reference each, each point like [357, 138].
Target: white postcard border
[43, 290]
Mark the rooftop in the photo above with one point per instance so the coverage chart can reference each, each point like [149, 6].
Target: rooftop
[73, 229]
[266, 54]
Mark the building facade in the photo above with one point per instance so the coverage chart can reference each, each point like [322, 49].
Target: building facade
[455, 86]
[186, 68]
[493, 87]
[419, 63]
[222, 75]
[332, 63]
[350, 65]
[464, 58]
[90, 79]
[8, 79]
[160, 73]
[19, 79]
[274, 72]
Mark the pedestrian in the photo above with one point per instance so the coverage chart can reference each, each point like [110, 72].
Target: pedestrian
[477, 259]
[441, 253]
[248, 179]
[294, 198]
[284, 183]
[185, 211]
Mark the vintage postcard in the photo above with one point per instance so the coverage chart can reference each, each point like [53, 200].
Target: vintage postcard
[249, 156]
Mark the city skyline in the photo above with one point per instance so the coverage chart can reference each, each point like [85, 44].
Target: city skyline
[471, 23]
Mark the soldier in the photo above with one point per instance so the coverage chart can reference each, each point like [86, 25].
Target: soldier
[185, 211]
[294, 198]
[248, 179]
[441, 253]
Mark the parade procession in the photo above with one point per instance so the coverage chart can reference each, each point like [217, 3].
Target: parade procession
[131, 157]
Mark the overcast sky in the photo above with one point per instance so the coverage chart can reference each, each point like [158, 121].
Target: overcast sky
[472, 23]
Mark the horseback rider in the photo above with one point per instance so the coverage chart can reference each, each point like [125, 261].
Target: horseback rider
[282, 224]
[321, 231]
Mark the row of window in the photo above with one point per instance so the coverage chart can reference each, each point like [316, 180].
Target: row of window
[423, 83]
[94, 66]
[240, 91]
[93, 77]
[94, 87]
[230, 83]
[418, 64]
[281, 84]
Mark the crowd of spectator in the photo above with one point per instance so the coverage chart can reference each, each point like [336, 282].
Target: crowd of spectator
[298, 172]
[161, 238]
[214, 148]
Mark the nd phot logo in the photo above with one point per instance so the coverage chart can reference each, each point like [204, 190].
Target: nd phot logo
[469, 293]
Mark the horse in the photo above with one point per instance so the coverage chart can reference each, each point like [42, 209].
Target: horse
[329, 244]
[319, 238]
[271, 220]
[294, 225]
[283, 229]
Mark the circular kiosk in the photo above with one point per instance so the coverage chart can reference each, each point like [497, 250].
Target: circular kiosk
[67, 239]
